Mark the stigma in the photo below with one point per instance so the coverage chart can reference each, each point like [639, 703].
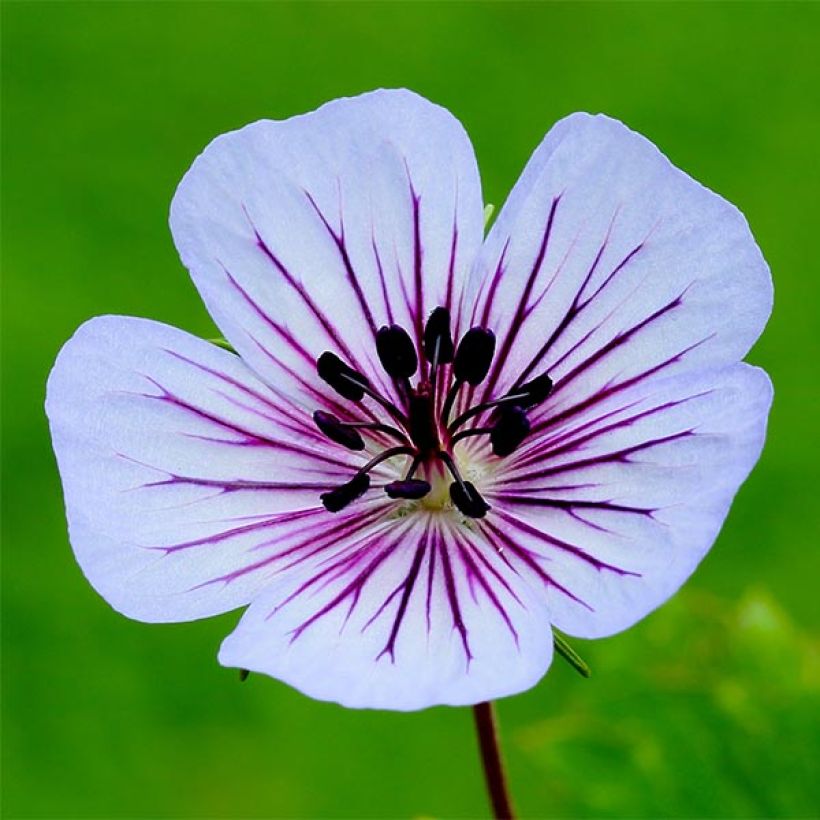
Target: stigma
[420, 421]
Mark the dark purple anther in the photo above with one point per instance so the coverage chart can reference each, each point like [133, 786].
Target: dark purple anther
[535, 390]
[511, 428]
[474, 355]
[344, 380]
[337, 431]
[338, 499]
[468, 500]
[437, 336]
[410, 488]
[396, 352]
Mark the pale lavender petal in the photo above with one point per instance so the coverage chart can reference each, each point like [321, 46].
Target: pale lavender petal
[618, 505]
[188, 482]
[412, 614]
[308, 234]
[609, 265]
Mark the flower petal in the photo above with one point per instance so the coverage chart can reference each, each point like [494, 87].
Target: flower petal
[608, 264]
[183, 474]
[308, 234]
[412, 614]
[618, 506]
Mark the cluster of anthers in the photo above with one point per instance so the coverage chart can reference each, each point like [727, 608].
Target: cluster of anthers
[422, 424]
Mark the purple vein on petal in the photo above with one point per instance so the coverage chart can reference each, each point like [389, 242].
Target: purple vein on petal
[452, 596]
[341, 247]
[621, 456]
[613, 344]
[572, 507]
[239, 485]
[516, 322]
[570, 504]
[559, 544]
[451, 271]
[320, 396]
[406, 587]
[495, 281]
[544, 446]
[363, 541]
[611, 390]
[388, 307]
[417, 311]
[273, 411]
[297, 287]
[507, 544]
[168, 397]
[475, 574]
[431, 575]
[250, 437]
[352, 590]
[467, 396]
[235, 383]
[574, 439]
[579, 303]
[290, 423]
[316, 539]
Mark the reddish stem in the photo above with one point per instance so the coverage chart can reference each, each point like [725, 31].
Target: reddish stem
[487, 729]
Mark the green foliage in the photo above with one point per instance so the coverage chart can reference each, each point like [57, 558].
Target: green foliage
[709, 710]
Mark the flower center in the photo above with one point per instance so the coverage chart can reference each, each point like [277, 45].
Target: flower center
[420, 422]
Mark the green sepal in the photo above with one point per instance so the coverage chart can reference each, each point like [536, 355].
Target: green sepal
[224, 344]
[489, 210]
[570, 655]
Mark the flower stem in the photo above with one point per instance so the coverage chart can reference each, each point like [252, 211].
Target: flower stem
[487, 730]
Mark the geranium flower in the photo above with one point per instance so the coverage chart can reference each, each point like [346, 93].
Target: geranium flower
[431, 448]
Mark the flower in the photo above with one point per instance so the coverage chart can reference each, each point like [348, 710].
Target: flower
[430, 448]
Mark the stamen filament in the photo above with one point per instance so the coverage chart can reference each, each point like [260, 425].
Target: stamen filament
[369, 391]
[393, 451]
[381, 428]
[448, 402]
[488, 405]
[473, 431]
[466, 498]
[413, 467]
[451, 466]
[434, 370]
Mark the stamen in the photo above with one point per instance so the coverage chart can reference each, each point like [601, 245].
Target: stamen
[509, 431]
[336, 500]
[474, 356]
[527, 395]
[464, 495]
[344, 380]
[393, 451]
[409, 487]
[396, 352]
[468, 500]
[471, 365]
[337, 431]
[351, 384]
[438, 341]
[534, 391]
[413, 488]
[507, 427]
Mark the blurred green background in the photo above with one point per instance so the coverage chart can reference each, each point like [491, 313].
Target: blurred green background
[708, 708]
